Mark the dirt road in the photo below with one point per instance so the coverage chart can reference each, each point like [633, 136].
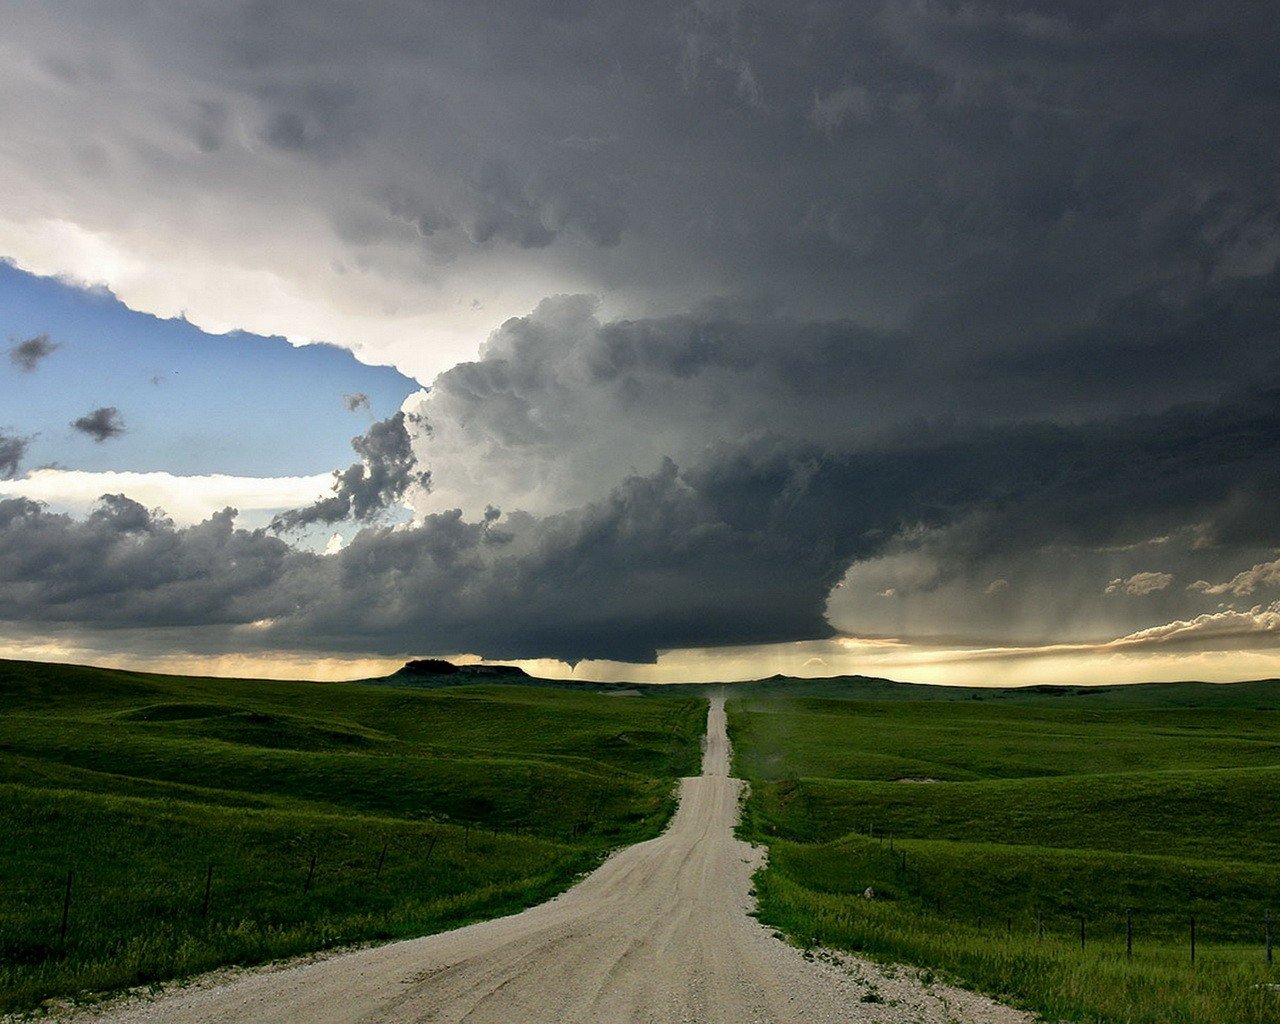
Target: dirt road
[660, 933]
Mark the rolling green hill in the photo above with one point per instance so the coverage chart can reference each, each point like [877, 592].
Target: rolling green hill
[987, 829]
[328, 813]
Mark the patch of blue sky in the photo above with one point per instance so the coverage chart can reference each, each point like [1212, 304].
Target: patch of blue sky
[191, 402]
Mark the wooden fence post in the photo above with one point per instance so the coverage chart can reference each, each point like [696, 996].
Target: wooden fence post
[430, 846]
[1193, 938]
[310, 874]
[1128, 933]
[1082, 932]
[66, 910]
[1268, 930]
[381, 860]
[208, 889]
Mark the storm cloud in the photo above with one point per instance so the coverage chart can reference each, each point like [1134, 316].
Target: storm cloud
[745, 544]
[757, 322]
[382, 477]
[990, 175]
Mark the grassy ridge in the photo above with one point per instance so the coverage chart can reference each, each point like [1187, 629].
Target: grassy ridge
[1045, 814]
[485, 799]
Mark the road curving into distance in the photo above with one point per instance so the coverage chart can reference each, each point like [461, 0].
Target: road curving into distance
[661, 933]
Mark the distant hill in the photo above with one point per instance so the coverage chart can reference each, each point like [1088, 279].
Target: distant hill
[435, 673]
[1262, 693]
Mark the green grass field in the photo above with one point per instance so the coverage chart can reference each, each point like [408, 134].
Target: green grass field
[1044, 808]
[485, 799]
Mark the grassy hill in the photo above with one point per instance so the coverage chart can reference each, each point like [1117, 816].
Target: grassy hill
[328, 813]
[1260, 694]
[987, 829]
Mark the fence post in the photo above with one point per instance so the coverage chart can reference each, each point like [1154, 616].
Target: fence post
[1268, 935]
[430, 846]
[1193, 938]
[310, 874]
[381, 859]
[1039, 927]
[1082, 932]
[66, 910]
[1009, 925]
[208, 888]
[466, 838]
[1128, 933]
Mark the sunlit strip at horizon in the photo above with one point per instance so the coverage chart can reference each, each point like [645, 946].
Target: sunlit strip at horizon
[1051, 664]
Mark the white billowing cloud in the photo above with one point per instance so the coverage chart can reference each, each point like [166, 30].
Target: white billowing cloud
[1242, 584]
[1140, 584]
[185, 499]
[1212, 626]
[314, 297]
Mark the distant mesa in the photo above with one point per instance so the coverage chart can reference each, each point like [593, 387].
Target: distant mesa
[432, 667]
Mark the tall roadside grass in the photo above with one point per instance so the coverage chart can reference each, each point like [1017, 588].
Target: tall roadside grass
[1228, 984]
[974, 839]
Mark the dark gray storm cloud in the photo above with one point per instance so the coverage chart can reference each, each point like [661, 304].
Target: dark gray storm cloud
[908, 317]
[126, 566]
[744, 545]
[383, 475]
[562, 402]
[27, 355]
[101, 424]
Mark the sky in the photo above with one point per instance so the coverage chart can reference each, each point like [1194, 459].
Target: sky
[668, 341]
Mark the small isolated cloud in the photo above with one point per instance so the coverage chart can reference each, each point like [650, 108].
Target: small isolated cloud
[101, 424]
[13, 450]
[1140, 584]
[27, 355]
[996, 586]
[355, 400]
[1264, 574]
